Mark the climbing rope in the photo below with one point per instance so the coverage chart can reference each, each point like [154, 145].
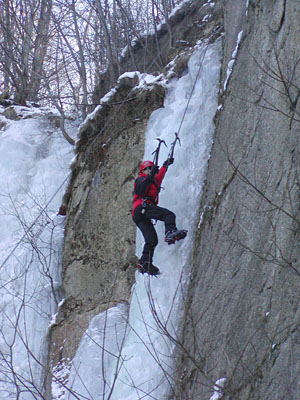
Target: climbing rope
[193, 88]
[177, 139]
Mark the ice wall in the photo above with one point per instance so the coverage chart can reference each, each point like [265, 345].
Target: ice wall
[34, 163]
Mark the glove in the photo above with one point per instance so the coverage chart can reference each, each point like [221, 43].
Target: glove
[168, 162]
[154, 170]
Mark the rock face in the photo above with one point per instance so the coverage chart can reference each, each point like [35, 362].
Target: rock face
[243, 297]
[242, 319]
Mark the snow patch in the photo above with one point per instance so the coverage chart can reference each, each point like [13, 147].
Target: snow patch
[232, 61]
[60, 372]
[218, 389]
[145, 82]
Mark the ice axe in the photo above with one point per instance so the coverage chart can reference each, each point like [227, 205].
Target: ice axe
[173, 144]
[156, 151]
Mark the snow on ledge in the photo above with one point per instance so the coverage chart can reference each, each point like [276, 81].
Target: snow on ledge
[232, 61]
[218, 389]
[145, 82]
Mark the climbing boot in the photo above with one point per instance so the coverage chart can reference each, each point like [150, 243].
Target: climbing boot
[175, 235]
[146, 267]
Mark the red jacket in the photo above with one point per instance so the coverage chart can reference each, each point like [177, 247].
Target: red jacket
[145, 188]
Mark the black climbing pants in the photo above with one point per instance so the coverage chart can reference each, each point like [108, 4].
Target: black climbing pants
[142, 218]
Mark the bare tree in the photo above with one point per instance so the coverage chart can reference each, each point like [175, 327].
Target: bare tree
[111, 54]
[40, 47]
[24, 26]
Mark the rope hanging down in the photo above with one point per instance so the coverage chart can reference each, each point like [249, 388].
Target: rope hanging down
[193, 88]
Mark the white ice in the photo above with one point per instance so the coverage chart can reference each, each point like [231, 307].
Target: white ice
[34, 161]
[100, 345]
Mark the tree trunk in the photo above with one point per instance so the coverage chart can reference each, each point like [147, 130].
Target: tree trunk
[113, 63]
[40, 49]
[5, 22]
[166, 15]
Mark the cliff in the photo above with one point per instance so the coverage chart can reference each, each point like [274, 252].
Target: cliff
[241, 320]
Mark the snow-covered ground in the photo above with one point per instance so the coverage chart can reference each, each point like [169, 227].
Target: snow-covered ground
[34, 167]
[130, 357]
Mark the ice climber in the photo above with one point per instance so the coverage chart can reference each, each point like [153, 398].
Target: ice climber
[145, 208]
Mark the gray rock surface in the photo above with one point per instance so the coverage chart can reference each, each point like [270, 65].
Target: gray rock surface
[243, 297]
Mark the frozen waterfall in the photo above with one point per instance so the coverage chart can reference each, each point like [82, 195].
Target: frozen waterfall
[34, 161]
